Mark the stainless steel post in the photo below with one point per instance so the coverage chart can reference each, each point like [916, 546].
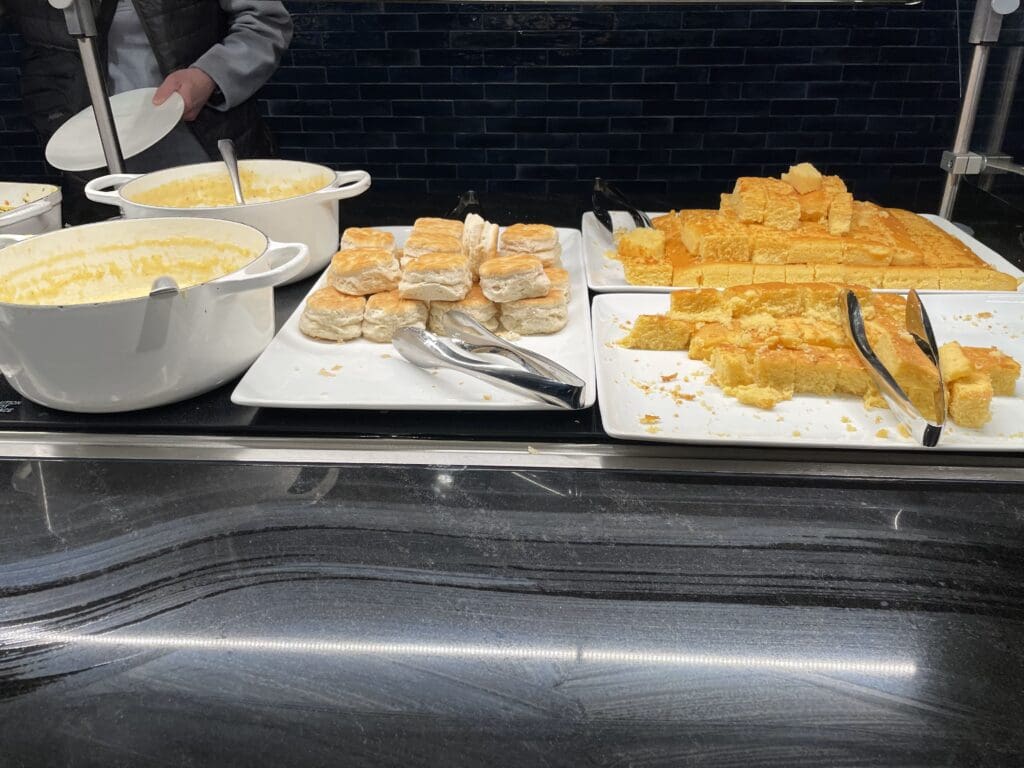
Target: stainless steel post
[965, 127]
[1011, 74]
[985, 28]
[82, 26]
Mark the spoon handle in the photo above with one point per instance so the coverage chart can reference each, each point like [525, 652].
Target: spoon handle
[227, 152]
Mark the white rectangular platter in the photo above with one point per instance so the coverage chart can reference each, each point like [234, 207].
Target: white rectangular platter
[638, 404]
[605, 274]
[298, 372]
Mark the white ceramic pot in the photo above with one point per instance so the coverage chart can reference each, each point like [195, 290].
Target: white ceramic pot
[311, 218]
[37, 208]
[140, 352]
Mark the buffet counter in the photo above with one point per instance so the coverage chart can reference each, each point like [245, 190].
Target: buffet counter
[204, 583]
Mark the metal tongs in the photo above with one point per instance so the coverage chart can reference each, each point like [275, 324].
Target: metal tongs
[604, 191]
[919, 326]
[538, 377]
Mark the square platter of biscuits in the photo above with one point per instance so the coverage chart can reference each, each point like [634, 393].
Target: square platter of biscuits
[526, 283]
[803, 227]
[774, 364]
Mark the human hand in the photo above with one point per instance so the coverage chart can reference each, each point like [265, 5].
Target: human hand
[195, 86]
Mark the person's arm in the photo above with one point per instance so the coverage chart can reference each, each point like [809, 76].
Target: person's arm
[234, 69]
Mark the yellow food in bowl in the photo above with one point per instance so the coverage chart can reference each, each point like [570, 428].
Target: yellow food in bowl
[122, 271]
[215, 191]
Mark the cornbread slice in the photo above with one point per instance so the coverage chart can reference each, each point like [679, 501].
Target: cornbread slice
[953, 363]
[712, 237]
[782, 206]
[1002, 369]
[899, 353]
[840, 213]
[938, 247]
[799, 273]
[770, 273]
[765, 398]
[723, 275]
[648, 272]
[659, 332]
[970, 401]
[748, 200]
[972, 279]
[644, 244]
[814, 205]
[789, 333]
[702, 305]
[668, 224]
[803, 177]
[687, 275]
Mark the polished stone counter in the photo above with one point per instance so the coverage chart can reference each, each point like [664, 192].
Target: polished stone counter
[187, 614]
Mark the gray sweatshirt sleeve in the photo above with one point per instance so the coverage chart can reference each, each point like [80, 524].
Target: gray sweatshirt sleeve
[259, 34]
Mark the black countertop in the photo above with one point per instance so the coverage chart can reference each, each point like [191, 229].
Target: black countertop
[158, 614]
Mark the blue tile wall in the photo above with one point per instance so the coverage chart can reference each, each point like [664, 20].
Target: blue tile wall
[671, 101]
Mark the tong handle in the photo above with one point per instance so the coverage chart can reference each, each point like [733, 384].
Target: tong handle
[468, 203]
[613, 195]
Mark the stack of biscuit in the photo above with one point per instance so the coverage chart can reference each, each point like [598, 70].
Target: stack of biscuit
[803, 227]
[765, 343]
[512, 281]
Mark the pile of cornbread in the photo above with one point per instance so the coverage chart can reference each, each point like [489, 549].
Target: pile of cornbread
[767, 342]
[802, 227]
[509, 280]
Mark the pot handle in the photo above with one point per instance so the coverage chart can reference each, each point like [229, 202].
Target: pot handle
[24, 212]
[243, 281]
[6, 240]
[346, 184]
[105, 188]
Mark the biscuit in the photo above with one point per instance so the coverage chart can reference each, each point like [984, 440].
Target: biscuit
[511, 278]
[332, 316]
[361, 271]
[421, 243]
[449, 227]
[367, 237]
[387, 312]
[479, 241]
[541, 315]
[436, 277]
[559, 279]
[476, 305]
[528, 238]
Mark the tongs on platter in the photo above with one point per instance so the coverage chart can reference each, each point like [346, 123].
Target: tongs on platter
[603, 191]
[539, 377]
[923, 430]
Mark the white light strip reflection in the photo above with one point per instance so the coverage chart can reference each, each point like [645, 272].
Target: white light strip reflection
[428, 650]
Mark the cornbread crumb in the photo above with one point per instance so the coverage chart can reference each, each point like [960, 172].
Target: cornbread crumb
[883, 433]
[326, 373]
[850, 428]
[797, 433]
[904, 430]
[650, 418]
[669, 377]
[488, 397]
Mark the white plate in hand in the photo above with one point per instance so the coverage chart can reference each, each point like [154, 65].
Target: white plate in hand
[298, 372]
[76, 144]
[605, 274]
[637, 403]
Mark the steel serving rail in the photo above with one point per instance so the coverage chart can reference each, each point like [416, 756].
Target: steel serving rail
[700, 461]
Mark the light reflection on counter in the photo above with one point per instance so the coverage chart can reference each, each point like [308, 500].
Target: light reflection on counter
[892, 668]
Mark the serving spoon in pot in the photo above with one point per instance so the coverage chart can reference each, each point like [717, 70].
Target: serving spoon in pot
[227, 152]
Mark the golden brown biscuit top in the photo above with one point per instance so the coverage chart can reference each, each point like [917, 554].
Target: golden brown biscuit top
[433, 242]
[552, 300]
[367, 237]
[330, 300]
[355, 260]
[391, 302]
[438, 226]
[431, 262]
[558, 277]
[507, 266]
[534, 237]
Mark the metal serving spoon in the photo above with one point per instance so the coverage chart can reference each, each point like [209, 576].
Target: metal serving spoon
[426, 350]
[227, 152]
